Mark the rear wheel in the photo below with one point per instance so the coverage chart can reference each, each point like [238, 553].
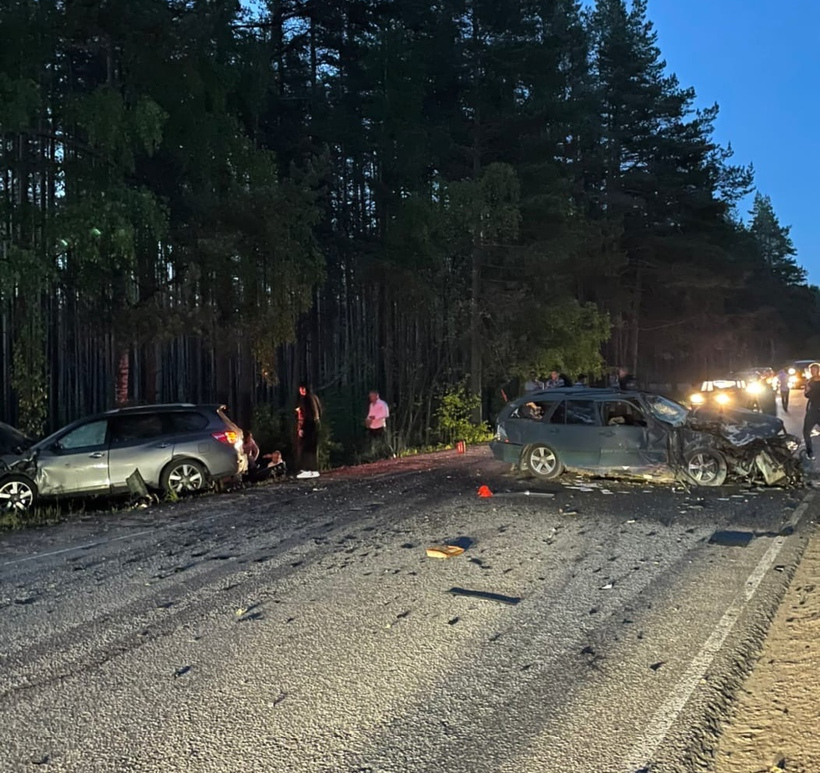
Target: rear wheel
[17, 494]
[184, 476]
[706, 467]
[543, 462]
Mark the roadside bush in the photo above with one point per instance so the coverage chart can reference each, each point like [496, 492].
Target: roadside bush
[453, 417]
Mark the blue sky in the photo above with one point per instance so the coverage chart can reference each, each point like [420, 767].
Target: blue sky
[760, 61]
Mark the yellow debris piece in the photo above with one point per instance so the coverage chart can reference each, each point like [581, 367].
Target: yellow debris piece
[444, 551]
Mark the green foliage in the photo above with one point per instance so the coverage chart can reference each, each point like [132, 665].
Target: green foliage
[453, 417]
[28, 378]
[370, 193]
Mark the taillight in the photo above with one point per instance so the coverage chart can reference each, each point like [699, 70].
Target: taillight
[229, 437]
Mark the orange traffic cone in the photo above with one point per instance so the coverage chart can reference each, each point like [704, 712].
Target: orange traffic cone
[484, 491]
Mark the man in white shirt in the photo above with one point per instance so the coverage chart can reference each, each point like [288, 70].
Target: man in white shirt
[376, 423]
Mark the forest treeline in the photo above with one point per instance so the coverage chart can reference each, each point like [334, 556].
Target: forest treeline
[206, 201]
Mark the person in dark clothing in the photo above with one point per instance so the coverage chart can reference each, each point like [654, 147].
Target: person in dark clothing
[812, 392]
[625, 379]
[308, 415]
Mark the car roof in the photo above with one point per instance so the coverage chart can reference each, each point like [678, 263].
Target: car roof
[575, 391]
[149, 408]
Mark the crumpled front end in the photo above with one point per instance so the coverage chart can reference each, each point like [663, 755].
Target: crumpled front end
[756, 446]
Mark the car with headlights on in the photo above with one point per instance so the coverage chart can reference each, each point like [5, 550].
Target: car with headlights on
[636, 433]
[798, 371]
[177, 448]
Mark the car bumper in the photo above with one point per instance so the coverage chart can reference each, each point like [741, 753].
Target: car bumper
[506, 452]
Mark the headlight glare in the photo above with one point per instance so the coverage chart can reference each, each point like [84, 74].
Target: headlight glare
[722, 399]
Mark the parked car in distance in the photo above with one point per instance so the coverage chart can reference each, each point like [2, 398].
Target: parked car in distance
[177, 448]
[607, 431]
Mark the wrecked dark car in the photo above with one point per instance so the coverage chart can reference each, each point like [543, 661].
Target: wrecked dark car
[635, 433]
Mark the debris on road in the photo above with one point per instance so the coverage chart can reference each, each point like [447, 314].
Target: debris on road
[480, 594]
[484, 492]
[731, 539]
[444, 551]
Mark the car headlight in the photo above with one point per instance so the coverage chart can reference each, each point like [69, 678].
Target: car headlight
[755, 388]
[722, 399]
[792, 371]
[792, 382]
[697, 399]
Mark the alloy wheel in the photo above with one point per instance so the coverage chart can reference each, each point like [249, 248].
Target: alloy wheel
[186, 478]
[703, 467]
[543, 460]
[16, 496]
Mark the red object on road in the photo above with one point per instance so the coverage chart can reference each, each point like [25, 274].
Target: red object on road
[461, 447]
[484, 491]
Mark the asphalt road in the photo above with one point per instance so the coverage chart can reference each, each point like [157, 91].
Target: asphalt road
[301, 626]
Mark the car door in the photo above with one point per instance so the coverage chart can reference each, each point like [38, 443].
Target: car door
[75, 462]
[572, 431]
[139, 441]
[625, 437]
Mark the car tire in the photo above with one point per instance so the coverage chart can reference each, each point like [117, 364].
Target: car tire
[18, 494]
[184, 476]
[542, 462]
[706, 467]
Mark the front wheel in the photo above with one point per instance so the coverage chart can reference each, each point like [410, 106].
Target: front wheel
[706, 467]
[17, 494]
[184, 476]
[543, 462]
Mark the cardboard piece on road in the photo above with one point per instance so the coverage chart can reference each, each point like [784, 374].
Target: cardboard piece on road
[444, 551]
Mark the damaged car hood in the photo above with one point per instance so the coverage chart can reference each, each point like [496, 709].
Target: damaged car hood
[738, 426]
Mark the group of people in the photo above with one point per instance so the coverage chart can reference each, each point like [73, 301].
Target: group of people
[308, 418]
[620, 378]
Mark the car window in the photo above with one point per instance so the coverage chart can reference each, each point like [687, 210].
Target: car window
[186, 421]
[559, 415]
[85, 436]
[622, 413]
[129, 428]
[581, 412]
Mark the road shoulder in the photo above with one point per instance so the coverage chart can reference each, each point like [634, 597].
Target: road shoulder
[773, 723]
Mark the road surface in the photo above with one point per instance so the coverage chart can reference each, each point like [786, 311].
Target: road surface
[301, 626]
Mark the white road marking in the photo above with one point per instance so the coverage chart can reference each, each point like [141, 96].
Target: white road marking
[641, 754]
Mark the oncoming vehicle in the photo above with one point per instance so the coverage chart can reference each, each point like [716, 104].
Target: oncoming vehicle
[178, 448]
[798, 371]
[735, 392]
[606, 431]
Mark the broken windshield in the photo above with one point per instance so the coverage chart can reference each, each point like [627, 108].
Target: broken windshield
[667, 410]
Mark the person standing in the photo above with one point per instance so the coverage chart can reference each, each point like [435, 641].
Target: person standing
[533, 384]
[251, 449]
[783, 386]
[555, 381]
[378, 413]
[308, 415]
[812, 392]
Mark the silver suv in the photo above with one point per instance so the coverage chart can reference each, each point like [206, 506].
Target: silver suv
[178, 448]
